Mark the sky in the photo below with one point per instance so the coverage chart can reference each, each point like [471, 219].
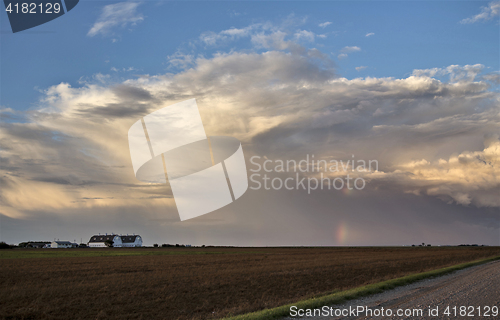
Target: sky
[413, 85]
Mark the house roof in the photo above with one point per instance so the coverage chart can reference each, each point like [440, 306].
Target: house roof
[63, 242]
[102, 238]
[127, 239]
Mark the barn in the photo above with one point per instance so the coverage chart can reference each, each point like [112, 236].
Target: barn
[99, 241]
[131, 241]
[61, 244]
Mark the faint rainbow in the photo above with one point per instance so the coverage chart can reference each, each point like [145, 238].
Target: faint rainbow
[341, 233]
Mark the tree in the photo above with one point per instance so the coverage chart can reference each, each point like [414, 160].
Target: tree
[109, 243]
[155, 245]
[3, 245]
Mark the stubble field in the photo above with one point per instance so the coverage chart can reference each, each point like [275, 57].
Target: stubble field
[197, 283]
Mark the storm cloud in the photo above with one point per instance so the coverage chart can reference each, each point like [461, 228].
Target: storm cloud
[434, 133]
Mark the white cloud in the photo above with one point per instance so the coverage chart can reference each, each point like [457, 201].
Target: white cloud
[345, 50]
[455, 72]
[212, 38]
[323, 36]
[129, 69]
[120, 14]
[262, 35]
[304, 34]
[180, 60]
[324, 24]
[103, 78]
[370, 34]
[350, 49]
[360, 68]
[275, 40]
[283, 36]
[487, 13]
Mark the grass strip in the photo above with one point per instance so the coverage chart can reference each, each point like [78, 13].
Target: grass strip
[342, 296]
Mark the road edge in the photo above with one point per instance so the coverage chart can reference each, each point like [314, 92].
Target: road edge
[342, 296]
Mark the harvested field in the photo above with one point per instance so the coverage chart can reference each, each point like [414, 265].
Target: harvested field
[197, 283]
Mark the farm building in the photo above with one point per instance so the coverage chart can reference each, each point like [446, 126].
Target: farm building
[99, 241]
[131, 241]
[62, 244]
[35, 244]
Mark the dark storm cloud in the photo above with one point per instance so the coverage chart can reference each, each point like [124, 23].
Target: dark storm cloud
[127, 92]
[115, 110]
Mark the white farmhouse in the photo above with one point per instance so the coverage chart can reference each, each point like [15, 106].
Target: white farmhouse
[61, 244]
[99, 241]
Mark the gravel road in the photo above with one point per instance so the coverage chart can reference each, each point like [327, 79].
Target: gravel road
[475, 289]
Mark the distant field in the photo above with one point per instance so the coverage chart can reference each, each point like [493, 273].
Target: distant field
[197, 283]
[107, 252]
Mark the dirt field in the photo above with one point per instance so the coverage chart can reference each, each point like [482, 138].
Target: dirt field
[197, 283]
